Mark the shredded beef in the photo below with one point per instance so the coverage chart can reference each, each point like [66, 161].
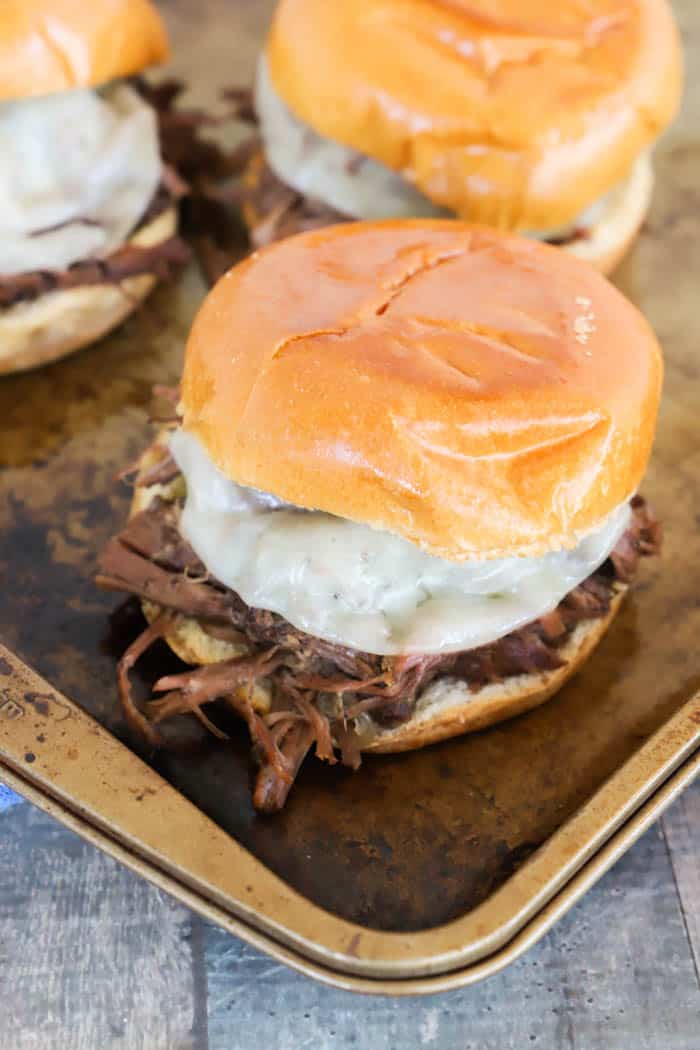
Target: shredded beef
[271, 787]
[641, 541]
[318, 688]
[188, 158]
[193, 688]
[128, 261]
[273, 210]
[205, 167]
[123, 569]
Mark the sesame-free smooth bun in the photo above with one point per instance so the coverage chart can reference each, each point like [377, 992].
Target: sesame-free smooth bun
[479, 394]
[516, 115]
[57, 45]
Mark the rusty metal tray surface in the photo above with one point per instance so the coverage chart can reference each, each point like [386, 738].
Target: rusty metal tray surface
[423, 870]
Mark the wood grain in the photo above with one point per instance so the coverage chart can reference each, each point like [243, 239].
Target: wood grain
[617, 972]
[91, 957]
[681, 828]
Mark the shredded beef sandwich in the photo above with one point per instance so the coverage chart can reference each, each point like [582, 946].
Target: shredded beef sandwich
[88, 212]
[536, 118]
[398, 499]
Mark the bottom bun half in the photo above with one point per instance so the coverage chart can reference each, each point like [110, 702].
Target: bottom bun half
[59, 323]
[626, 208]
[447, 708]
[604, 245]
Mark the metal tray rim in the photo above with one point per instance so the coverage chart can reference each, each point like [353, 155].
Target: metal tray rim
[124, 801]
[536, 928]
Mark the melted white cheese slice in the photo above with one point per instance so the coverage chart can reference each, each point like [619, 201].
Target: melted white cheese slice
[361, 187]
[355, 185]
[361, 587]
[78, 170]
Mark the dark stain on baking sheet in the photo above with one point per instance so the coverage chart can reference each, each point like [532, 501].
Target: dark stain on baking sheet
[409, 841]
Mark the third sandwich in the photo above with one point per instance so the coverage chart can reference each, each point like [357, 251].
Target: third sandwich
[399, 500]
[88, 212]
[533, 117]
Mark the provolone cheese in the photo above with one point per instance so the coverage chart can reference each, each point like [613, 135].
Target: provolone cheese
[361, 587]
[355, 185]
[363, 188]
[78, 171]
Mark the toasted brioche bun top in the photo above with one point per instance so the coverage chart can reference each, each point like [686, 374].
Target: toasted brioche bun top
[57, 45]
[514, 114]
[479, 394]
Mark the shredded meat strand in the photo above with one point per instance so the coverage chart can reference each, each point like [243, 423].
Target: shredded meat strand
[121, 566]
[321, 727]
[349, 745]
[272, 789]
[161, 473]
[264, 742]
[135, 719]
[319, 688]
[128, 261]
[273, 210]
[176, 703]
[213, 680]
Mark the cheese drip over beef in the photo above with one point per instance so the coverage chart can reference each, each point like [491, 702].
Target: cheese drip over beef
[79, 169]
[321, 693]
[366, 588]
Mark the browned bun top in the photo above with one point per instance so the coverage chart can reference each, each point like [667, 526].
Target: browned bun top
[56, 45]
[515, 114]
[479, 394]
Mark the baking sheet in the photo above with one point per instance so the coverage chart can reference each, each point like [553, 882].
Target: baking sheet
[329, 969]
[119, 803]
[411, 841]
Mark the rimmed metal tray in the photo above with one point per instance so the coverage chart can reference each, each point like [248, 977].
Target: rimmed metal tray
[421, 871]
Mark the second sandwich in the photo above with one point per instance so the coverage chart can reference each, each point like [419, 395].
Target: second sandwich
[532, 117]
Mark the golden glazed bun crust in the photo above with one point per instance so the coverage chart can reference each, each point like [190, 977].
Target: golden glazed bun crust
[57, 45]
[516, 115]
[59, 323]
[479, 394]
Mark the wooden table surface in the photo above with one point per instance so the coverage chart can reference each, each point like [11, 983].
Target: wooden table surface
[94, 958]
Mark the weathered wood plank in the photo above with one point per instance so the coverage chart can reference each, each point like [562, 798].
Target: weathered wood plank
[617, 972]
[91, 956]
[681, 827]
